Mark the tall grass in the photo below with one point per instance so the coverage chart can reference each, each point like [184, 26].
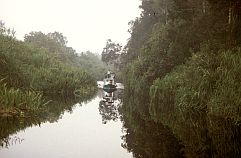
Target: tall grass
[200, 101]
[15, 102]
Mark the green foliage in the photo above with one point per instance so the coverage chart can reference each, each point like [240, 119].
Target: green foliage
[54, 42]
[36, 70]
[40, 69]
[194, 98]
[199, 96]
[137, 88]
[111, 51]
[43, 64]
[51, 113]
[55, 46]
[92, 64]
[15, 102]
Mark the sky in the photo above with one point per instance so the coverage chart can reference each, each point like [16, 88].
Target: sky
[87, 24]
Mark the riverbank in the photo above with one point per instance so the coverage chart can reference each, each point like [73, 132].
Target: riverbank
[199, 102]
[40, 66]
[182, 69]
[14, 119]
[21, 104]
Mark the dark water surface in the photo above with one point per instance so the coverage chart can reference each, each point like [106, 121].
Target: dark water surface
[89, 130]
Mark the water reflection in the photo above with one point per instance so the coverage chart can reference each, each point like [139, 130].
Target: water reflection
[142, 137]
[80, 131]
[109, 105]
[52, 113]
[147, 139]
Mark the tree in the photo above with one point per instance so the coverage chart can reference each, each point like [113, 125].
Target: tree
[54, 42]
[111, 52]
[58, 38]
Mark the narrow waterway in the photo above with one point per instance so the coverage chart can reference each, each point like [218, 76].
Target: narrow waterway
[88, 130]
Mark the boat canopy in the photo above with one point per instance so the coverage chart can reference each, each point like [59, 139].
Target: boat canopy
[109, 74]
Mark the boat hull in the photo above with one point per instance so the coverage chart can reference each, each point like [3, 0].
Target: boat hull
[109, 88]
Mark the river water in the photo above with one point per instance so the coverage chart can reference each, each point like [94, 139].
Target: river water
[89, 129]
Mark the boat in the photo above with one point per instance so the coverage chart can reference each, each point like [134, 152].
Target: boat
[109, 82]
[108, 97]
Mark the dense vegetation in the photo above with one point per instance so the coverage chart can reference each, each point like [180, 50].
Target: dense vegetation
[182, 70]
[40, 66]
[93, 64]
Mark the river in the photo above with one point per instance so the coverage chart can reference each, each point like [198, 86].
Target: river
[94, 126]
[87, 129]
